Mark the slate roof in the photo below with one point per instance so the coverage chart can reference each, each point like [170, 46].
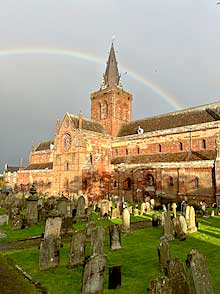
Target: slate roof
[87, 124]
[37, 166]
[166, 157]
[44, 145]
[192, 116]
[12, 169]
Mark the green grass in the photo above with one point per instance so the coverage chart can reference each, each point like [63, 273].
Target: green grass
[138, 258]
[12, 235]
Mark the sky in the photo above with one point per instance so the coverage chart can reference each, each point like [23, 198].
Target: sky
[53, 54]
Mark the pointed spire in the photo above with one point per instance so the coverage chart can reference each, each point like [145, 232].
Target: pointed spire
[111, 76]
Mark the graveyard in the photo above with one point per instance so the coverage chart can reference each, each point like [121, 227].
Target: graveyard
[59, 252]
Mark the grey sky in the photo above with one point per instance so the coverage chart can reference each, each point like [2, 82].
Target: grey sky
[173, 44]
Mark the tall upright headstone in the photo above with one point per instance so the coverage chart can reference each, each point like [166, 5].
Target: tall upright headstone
[126, 221]
[53, 224]
[168, 229]
[115, 237]
[80, 210]
[49, 252]
[192, 221]
[199, 273]
[32, 209]
[93, 275]
[164, 254]
[77, 249]
[97, 240]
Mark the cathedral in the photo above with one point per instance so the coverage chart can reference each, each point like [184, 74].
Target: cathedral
[173, 155]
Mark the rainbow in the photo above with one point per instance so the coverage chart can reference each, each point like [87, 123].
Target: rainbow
[91, 58]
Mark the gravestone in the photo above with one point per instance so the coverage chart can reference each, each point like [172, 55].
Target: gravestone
[192, 222]
[97, 240]
[67, 225]
[16, 219]
[187, 213]
[62, 204]
[136, 211]
[93, 275]
[130, 209]
[49, 252]
[42, 214]
[77, 249]
[168, 229]
[147, 207]
[115, 237]
[142, 210]
[89, 228]
[126, 221]
[177, 227]
[200, 278]
[115, 213]
[53, 224]
[155, 220]
[183, 224]
[164, 254]
[104, 210]
[174, 206]
[177, 276]
[114, 277]
[32, 209]
[80, 210]
[89, 213]
[160, 286]
[4, 220]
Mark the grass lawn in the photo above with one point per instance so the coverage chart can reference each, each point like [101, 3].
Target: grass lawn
[138, 258]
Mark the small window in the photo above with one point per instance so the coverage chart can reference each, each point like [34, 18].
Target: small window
[90, 158]
[181, 146]
[150, 180]
[171, 181]
[159, 148]
[138, 150]
[66, 166]
[115, 184]
[196, 182]
[203, 144]
[116, 152]
[126, 150]
[128, 182]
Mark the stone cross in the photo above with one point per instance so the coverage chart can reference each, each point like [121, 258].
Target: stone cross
[93, 275]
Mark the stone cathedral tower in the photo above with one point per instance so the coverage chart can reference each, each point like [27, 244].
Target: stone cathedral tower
[111, 105]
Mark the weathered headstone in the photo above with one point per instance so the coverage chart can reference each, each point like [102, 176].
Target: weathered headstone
[164, 254]
[155, 220]
[62, 204]
[126, 221]
[93, 275]
[183, 224]
[136, 211]
[115, 237]
[174, 206]
[142, 210]
[199, 274]
[80, 210]
[77, 249]
[178, 228]
[168, 229]
[49, 252]
[192, 222]
[114, 277]
[147, 207]
[89, 228]
[97, 240]
[115, 213]
[16, 220]
[53, 224]
[4, 220]
[177, 276]
[160, 286]
[32, 209]
[104, 208]
[187, 213]
[67, 225]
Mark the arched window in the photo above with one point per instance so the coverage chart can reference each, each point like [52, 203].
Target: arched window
[126, 151]
[138, 150]
[203, 144]
[181, 146]
[66, 166]
[116, 152]
[99, 110]
[150, 180]
[101, 183]
[159, 148]
[171, 181]
[66, 185]
[128, 184]
[105, 110]
[196, 182]
[115, 184]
